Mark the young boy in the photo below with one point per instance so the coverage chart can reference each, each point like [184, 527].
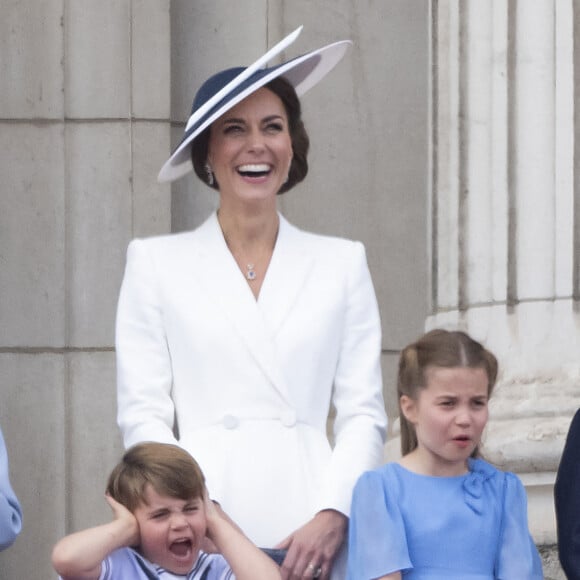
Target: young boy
[162, 515]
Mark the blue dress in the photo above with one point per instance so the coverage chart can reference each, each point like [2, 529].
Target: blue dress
[468, 527]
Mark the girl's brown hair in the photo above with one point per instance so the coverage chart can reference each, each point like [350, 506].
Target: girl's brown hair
[438, 348]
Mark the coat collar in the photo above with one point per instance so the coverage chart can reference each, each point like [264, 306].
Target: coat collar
[256, 322]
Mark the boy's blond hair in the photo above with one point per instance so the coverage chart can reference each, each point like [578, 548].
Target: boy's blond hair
[169, 469]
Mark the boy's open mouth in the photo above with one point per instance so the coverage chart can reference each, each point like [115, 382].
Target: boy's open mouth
[181, 548]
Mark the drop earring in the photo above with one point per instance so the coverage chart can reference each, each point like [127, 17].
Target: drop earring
[210, 179]
[288, 173]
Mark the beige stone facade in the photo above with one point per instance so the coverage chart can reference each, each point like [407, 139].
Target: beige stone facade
[94, 94]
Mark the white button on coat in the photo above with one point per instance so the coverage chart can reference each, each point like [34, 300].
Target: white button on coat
[288, 418]
[230, 421]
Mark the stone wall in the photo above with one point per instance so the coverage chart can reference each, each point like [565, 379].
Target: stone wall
[93, 95]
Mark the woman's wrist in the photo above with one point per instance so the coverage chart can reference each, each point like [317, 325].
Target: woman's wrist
[333, 515]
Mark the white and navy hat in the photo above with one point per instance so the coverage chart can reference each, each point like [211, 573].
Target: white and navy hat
[225, 89]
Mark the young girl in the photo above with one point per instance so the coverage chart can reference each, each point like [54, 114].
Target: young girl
[441, 513]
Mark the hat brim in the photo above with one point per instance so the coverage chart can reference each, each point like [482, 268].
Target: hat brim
[302, 72]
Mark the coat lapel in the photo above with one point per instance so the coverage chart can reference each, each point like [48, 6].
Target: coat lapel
[256, 323]
[287, 274]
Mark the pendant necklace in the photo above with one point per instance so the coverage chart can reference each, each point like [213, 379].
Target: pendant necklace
[250, 272]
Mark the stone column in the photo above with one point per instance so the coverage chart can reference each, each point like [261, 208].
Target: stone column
[503, 222]
[84, 127]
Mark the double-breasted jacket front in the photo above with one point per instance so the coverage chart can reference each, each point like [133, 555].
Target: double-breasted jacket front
[246, 385]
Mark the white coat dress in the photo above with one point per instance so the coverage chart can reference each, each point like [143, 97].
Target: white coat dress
[246, 384]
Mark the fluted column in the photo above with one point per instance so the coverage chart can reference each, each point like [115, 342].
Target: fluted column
[502, 220]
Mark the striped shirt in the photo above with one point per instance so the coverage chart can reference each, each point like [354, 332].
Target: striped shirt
[128, 564]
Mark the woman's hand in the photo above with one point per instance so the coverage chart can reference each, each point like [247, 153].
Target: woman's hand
[313, 547]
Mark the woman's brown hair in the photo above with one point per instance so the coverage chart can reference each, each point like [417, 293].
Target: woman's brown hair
[298, 135]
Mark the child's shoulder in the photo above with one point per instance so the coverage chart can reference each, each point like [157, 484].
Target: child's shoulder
[126, 563]
[216, 562]
[484, 468]
[384, 471]
[507, 483]
[490, 472]
[481, 473]
[390, 476]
